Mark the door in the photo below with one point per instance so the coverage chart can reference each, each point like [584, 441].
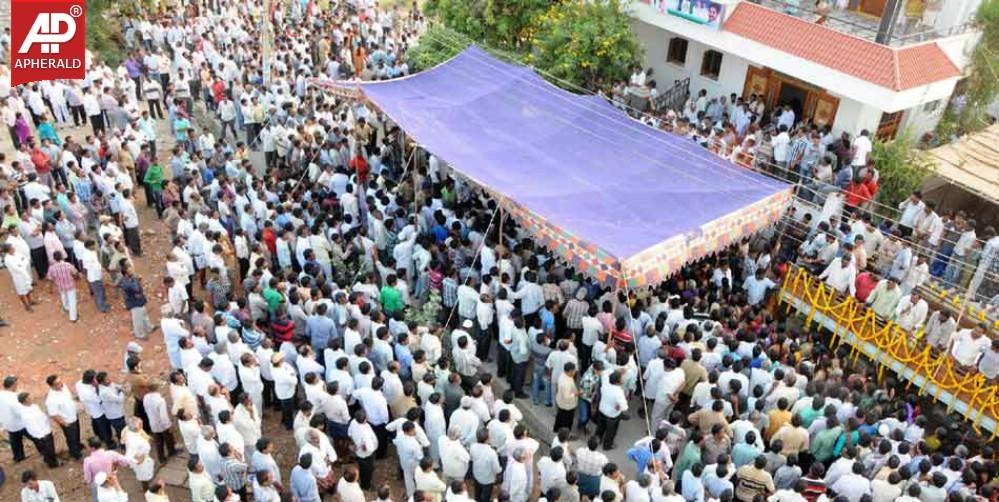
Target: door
[793, 95]
[757, 82]
[825, 109]
[873, 7]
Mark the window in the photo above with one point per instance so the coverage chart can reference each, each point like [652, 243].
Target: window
[711, 64]
[931, 106]
[677, 51]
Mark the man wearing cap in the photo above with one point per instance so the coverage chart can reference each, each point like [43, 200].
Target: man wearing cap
[10, 417]
[108, 488]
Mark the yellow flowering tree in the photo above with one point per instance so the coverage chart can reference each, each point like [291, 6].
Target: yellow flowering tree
[586, 42]
[505, 24]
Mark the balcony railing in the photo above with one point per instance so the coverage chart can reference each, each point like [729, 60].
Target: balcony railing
[906, 32]
[893, 349]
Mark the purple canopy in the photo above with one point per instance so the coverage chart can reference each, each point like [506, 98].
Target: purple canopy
[611, 194]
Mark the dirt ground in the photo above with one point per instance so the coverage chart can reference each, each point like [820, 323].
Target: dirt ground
[44, 342]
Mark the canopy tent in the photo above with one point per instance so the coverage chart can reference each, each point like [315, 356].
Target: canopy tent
[972, 163]
[622, 202]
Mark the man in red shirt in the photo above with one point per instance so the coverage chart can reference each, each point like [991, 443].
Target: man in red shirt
[866, 282]
[218, 91]
[360, 166]
[857, 193]
[41, 161]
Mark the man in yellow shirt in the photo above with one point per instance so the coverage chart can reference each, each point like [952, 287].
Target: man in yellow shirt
[778, 417]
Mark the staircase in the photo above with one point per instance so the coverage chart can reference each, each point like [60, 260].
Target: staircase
[675, 97]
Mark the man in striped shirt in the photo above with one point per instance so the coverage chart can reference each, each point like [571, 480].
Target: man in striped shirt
[63, 276]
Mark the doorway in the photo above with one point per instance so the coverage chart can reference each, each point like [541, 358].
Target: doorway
[793, 95]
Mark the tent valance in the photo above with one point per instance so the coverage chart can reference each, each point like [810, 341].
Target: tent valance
[623, 202]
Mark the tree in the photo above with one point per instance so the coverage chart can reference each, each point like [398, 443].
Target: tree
[585, 42]
[901, 168]
[968, 111]
[105, 37]
[505, 24]
[436, 45]
[463, 16]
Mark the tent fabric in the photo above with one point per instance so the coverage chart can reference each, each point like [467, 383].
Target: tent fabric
[622, 202]
[972, 162]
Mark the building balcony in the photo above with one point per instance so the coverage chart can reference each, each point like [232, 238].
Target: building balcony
[912, 25]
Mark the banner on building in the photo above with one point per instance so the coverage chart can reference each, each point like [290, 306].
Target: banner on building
[704, 12]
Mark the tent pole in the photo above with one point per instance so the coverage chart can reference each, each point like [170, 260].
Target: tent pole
[502, 216]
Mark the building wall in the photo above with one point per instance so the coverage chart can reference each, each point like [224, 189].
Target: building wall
[731, 78]
[954, 12]
[851, 116]
[923, 119]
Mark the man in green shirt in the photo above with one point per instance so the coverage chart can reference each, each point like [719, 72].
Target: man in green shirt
[153, 179]
[825, 441]
[884, 298]
[390, 297]
[690, 455]
[272, 296]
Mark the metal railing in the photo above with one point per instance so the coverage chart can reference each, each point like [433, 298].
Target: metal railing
[675, 97]
[863, 25]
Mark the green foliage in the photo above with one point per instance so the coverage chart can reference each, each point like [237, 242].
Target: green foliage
[463, 16]
[580, 41]
[981, 88]
[507, 24]
[586, 42]
[902, 168]
[104, 34]
[436, 45]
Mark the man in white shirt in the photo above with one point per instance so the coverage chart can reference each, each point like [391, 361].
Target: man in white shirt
[861, 148]
[530, 294]
[485, 466]
[781, 143]
[967, 345]
[911, 312]
[130, 220]
[10, 417]
[854, 485]
[375, 406]
[39, 429]
[365, 445]
[62, 408]
[285, 382]
[841, 275]
[36, 490]
[613, 402]
[454, 456]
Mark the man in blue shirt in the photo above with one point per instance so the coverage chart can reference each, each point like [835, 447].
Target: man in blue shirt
[320, 328]
[404, 356]
[303, 483]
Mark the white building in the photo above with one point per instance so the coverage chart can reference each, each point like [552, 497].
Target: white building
[832, 72]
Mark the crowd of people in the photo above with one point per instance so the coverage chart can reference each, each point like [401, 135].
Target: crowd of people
[836, 175]
[362, 294]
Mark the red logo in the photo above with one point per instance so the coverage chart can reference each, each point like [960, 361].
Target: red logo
[48, 40]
